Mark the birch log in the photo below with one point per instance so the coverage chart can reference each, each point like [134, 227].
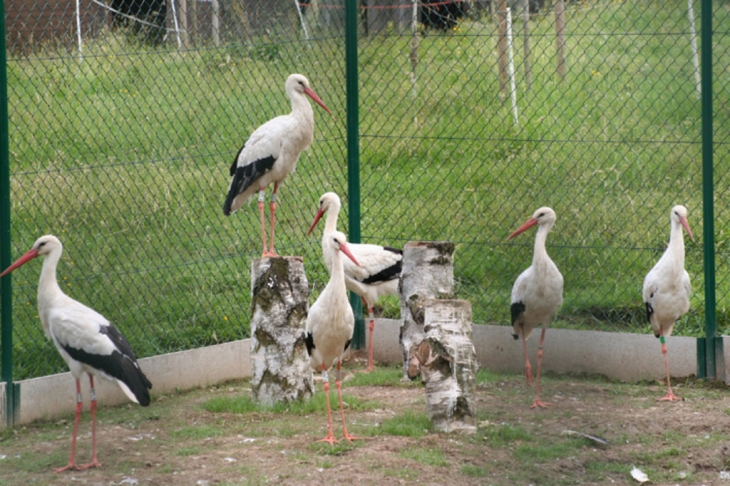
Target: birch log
[280, 364]
[428, 273]
[449, 365]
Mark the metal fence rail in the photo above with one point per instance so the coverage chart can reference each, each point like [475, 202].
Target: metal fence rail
[123, 125]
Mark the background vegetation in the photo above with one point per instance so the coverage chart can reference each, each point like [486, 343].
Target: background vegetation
[124, 154]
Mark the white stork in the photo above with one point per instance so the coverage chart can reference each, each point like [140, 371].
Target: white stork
[536, 294]
[667, 288]
[379, 268]
[271, 152]
[330, 324]
[86, 340]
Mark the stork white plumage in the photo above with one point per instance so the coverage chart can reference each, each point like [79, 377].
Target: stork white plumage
[87, 341]
[330, 324]
[379, 268]
[667, 287]
[271, 152]
[536, 294]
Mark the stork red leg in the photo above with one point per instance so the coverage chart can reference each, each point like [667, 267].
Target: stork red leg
[528, 367]
[262, 194]
[94, 460]
[539, 403]
[670, 397]
[330, 436]
[72, 460]
[272, 210]
[345, 434]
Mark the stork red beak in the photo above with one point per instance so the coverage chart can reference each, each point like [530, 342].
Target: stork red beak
[685, 225]
[529, 224]
[316, 220]
[344, 249]
[31, 254]
[313, 95]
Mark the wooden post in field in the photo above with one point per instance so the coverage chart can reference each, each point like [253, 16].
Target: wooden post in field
[560, 37]
[279, 301]
[449, 365]
[526, 42]
[184, 35]
[502, 45]
[428, 273]
[216, 21]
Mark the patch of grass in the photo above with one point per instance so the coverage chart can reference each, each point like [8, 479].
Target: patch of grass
[427, 457]
[474, 471]
[404, 473]
[337, 449]
[485, 376]
[196, 432]
[189, 451]
[244, 404]
[543, 452]
[500, 436]
[408, 424]
[381, 376]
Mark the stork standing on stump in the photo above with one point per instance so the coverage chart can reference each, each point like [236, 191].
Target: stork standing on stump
[86, 340]
[271, 152]
[667, 288]
[536, 294]
[330, 324]
[379, 268]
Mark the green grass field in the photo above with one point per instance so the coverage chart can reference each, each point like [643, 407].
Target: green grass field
[125, 157]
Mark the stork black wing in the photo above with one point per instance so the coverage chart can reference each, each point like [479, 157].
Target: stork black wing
[244, 176]
[309, 341]
[386, 274]
[120, 364]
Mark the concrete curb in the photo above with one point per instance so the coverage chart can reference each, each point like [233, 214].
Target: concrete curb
[622, 356]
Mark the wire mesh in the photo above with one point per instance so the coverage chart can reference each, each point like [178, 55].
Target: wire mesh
[121, 146]
[125, 117]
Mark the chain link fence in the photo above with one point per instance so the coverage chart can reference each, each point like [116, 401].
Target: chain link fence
[125, 117]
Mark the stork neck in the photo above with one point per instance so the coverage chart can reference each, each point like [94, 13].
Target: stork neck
[540, 253]
[301, 107]
[330, 223]
[337, 274]
[48, 287]
[676, 243]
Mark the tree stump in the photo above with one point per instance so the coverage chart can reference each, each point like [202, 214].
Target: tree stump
[449, 365]
[428, 273]
[279, 303]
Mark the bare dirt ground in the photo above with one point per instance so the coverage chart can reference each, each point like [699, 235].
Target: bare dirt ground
[177, 441]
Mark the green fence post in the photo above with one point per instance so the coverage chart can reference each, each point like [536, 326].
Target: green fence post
[353, 155]
[708, 210]
[6, 295]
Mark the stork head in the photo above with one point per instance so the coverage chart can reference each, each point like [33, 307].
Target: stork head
[297, 83]
[42, 246]
[328, 201]
[338, 242]
[543, 217]
[679, 216]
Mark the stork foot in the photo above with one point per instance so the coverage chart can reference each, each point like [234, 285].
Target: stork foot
[330, 439]
[269, 254]
[669, 397]
[540, 404]
[71, 466]
[94, 463]
[349, 436]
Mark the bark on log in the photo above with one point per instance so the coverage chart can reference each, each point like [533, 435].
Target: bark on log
[280, 364]
[428, 273]
[449, 365]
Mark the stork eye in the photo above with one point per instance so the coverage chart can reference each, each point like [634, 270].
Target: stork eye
[41, 244]
[541, 215]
